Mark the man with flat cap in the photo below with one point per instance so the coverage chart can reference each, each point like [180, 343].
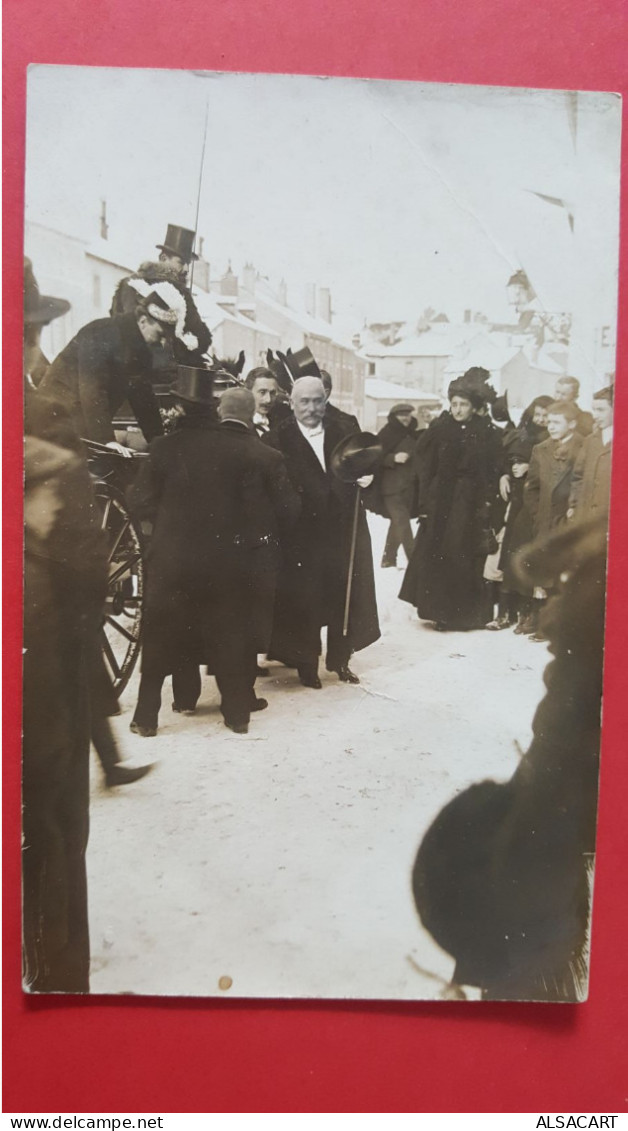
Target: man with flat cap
[220, 502]
[192, 338]
[315, 566]
[397, 482]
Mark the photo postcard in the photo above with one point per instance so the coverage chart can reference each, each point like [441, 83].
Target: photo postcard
[318, 386]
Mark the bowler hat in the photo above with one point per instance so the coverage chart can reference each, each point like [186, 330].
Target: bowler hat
[194, 384]
[40, 309]
[356, 455]
[179, 241]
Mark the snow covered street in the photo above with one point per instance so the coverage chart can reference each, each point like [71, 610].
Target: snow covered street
[278, 864]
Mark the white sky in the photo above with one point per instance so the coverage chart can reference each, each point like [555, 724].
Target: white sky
[396, 195]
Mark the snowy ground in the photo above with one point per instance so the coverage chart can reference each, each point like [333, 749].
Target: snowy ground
[278, 864]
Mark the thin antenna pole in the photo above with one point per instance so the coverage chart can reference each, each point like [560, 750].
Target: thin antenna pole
[200, 186]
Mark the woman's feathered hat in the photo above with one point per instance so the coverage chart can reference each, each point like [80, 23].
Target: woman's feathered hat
[474, 387]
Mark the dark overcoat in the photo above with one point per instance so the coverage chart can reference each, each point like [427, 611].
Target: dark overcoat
[313, 576]
[105, 364]
[392, 478]
[64, 589]
[548, 485]
[221, 503]
[501, 877]
[336, 415]
[459, 468]
[591, 479]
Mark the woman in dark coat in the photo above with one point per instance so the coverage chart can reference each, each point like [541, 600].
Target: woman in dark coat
[459, 460]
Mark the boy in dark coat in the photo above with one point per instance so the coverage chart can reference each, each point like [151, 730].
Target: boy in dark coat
[591, 479]
[220, 502]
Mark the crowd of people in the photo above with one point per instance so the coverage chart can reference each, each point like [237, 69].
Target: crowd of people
[258, 541]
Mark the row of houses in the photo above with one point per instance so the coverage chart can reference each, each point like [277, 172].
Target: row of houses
[372, 370]
[243, 311]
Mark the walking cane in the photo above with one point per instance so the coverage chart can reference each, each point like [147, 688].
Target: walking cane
[354, 539]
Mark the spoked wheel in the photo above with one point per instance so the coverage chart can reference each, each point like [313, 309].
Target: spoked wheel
[122, 625]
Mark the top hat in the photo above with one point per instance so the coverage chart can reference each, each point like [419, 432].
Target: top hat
[194, 384]
[40, 309]
[179, 241]
[356, 455]
[300, 364]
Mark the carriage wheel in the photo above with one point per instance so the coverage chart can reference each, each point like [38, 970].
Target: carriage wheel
[122, 623]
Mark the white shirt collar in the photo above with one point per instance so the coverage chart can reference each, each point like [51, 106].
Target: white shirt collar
[607, 434]
[316, 439]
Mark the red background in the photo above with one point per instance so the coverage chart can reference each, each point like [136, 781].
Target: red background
[108, 1054]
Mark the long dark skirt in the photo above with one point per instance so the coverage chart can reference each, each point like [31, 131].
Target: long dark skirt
[444, 579]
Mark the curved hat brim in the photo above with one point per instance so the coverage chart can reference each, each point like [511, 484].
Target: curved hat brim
[46, 310]
[356, 455]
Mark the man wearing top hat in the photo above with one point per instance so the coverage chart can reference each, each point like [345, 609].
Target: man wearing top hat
[220, 502]
[192, 338]
[109, 362]
[313, 578]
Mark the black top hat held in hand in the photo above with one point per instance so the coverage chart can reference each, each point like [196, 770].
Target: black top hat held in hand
[356, 455]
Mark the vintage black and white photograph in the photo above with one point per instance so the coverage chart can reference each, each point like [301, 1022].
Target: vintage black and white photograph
[318, 400]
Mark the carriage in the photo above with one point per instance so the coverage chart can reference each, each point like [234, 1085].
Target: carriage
[111, 473]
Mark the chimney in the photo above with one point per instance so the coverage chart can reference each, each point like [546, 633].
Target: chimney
[310, 299]
[200, 268]
[467, 315]
[324, 303]
[104, 227]
[356, 341]
[248, 278]
[229, 283]
[282, 292]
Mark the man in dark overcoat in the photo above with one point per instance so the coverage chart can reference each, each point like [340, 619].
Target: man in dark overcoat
[220, 502]
[397, 481]
[108, 362]
[315, 566]
[591, 478]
